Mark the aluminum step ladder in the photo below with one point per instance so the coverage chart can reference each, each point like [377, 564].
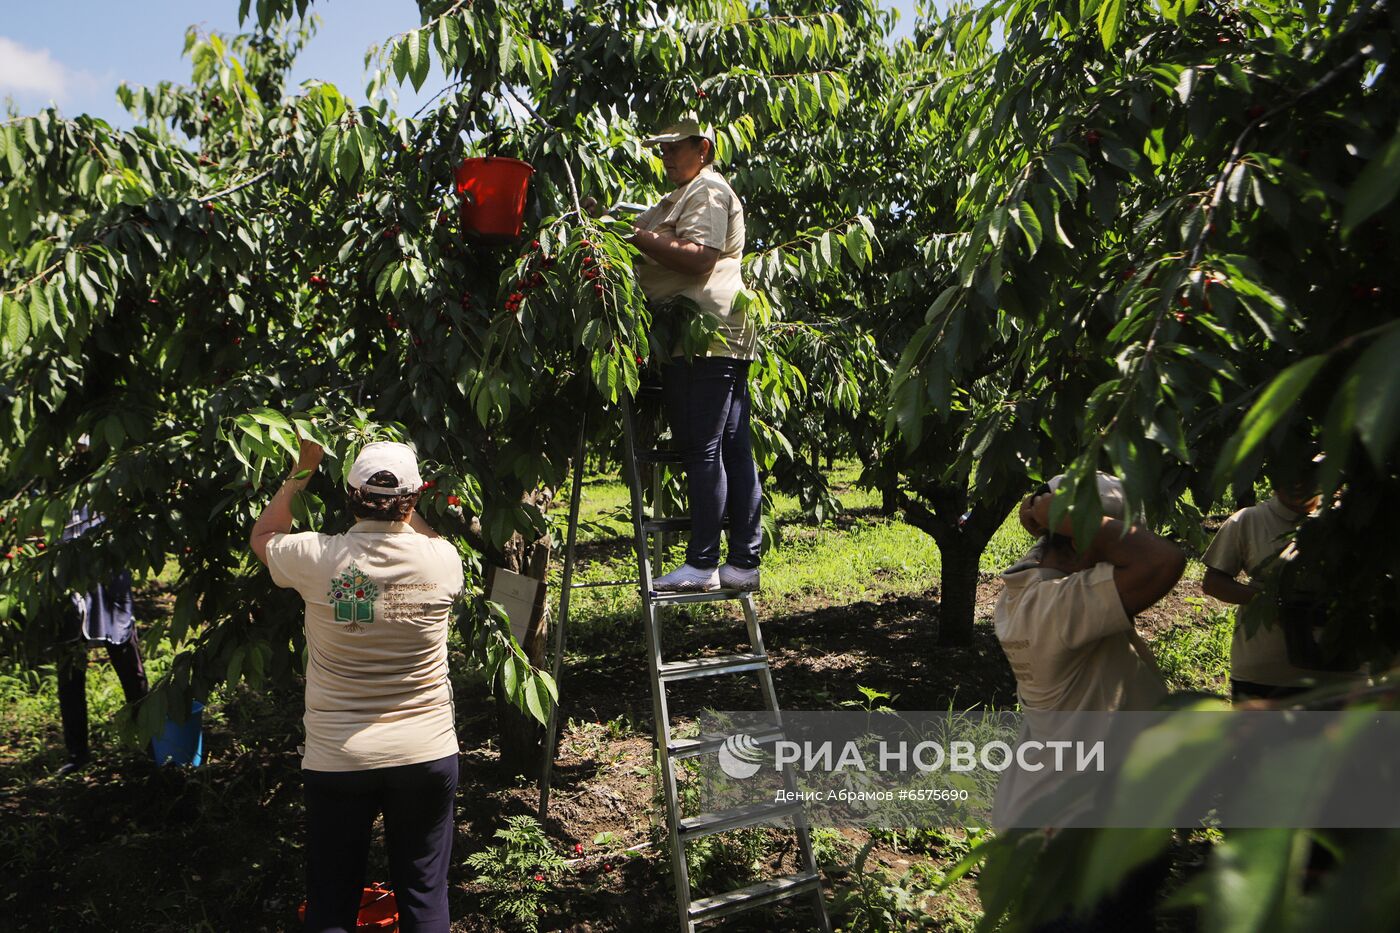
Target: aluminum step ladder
[647, 534]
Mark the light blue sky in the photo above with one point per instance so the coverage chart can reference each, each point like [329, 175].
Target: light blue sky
[75, 52]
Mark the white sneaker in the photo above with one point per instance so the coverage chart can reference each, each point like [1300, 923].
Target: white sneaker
[737, 578]
[687, 579]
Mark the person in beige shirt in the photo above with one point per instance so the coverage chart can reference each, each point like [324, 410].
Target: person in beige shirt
[1065, 617]
[1256, 541]
[379, 724]
[1065, 621]
[692, 245]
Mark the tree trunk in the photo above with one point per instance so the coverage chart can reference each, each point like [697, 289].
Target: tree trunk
[957, 597]
[889, 501]
[961, 538]
[1244, 495]
[521, 736]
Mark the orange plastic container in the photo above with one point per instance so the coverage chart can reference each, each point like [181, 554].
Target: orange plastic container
[378, 910]
[493, 193]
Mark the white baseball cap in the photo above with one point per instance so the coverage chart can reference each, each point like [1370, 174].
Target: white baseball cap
[1111, 498]
[385, 456]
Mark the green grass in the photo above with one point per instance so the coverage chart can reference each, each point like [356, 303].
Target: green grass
[1194, 654]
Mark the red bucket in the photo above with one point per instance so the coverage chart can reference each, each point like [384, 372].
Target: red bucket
[493, 194]
[378, 910]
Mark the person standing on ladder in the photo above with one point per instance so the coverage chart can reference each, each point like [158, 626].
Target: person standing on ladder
[692, 243]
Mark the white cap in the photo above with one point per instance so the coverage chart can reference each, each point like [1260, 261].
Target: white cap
[1111, 498]
[385, 456]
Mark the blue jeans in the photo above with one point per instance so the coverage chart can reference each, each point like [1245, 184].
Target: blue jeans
[707, 403]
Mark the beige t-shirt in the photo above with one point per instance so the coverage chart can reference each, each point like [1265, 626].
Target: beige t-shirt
[378, 607]
[705, 210]
[1246, 542]
[1071, 647]
[1067, 638]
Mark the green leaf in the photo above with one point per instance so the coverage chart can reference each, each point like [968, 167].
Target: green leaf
[348, 159]
[419, 58]
[1378, 404]
[1112, 13]
[1029, 223]
[857, 247]
[1276, 401]
[14, 324]
[1375, 187]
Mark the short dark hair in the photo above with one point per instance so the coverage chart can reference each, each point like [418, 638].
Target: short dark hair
[370, 506]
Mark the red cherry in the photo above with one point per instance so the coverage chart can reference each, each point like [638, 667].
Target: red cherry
[597, 288]
[1255, 112]
[1093, 137]
[1222, 40]
[1183, 300]
[189, 550]
[417, 341]
[578, 847]
[237, 341]
[10, 556]
[453, 500]
[701, 94]
[154, 301]
[428, 484]
[1128, 273]
[539, 877]
[516, 297]
[41, 545]
[588, 260]
[1181, 317]
[591, 274]
[607, 868]
[534, 244]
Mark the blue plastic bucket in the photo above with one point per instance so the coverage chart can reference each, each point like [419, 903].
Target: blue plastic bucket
[182, 743]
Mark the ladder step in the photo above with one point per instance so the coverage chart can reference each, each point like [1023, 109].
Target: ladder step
[672, 524]
[657, 456]
[650, 390]
[707, 742]
[710, 667]
[584, 586]
[707, 824]
[713, 596]
[665, 525]
[755, 895]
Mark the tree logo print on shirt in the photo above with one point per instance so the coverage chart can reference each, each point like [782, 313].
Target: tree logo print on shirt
[353, 594]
